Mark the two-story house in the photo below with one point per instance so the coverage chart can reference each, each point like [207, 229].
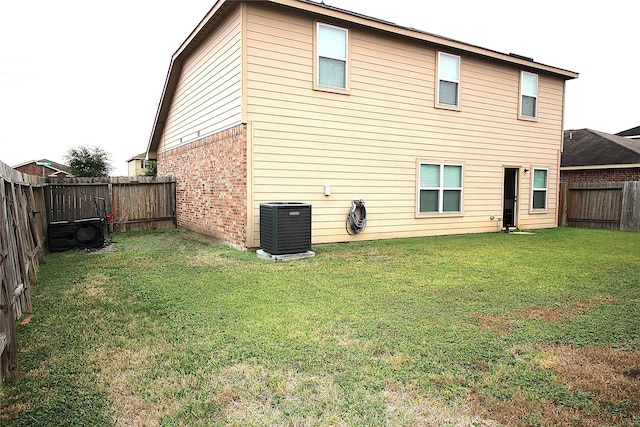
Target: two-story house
[136, 165]
[293, 100]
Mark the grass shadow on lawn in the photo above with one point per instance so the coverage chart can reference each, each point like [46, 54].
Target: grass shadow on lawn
[483, 330]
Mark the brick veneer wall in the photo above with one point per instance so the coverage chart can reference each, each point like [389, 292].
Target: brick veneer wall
[600, 175]
[211, 184]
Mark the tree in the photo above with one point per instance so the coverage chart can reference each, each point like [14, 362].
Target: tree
[89, 161]
[152, 168]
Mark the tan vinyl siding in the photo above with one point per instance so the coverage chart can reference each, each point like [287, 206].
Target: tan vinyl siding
[208, 98]
[366, 144]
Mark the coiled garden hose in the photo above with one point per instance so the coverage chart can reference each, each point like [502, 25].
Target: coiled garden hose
[357, 217]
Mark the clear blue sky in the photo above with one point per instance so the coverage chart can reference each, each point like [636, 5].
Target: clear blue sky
[78, 72]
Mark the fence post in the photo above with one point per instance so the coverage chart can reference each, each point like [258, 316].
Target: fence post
[174, 214]
[9, 356]
[21, 249]
[630, 215]
[35, 233]
[562, 205]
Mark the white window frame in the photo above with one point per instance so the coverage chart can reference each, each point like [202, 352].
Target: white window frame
[535, 189]
[524, 93]
[440, 188]
[448, 80]
[345, 59]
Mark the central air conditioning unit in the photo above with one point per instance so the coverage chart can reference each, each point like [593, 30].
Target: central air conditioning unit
[285, 227]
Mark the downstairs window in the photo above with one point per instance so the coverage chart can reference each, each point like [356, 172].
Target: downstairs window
[440, 188]
[539, 193]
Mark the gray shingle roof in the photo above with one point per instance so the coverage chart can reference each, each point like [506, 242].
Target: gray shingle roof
[141, 156]
[54, 165]
[587, 147]
[630, 132]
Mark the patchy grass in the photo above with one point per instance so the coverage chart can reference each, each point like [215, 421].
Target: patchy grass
[171, 329]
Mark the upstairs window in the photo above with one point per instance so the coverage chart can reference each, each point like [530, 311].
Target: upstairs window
[448, 79]
[539, 196]
[332, 53]
[440, 188]
[529, 95]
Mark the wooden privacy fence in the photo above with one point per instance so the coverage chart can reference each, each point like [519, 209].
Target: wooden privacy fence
[149, 201]
[610, 205]
[22, 229]
[29, 203]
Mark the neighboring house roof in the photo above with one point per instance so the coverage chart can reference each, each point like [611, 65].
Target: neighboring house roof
[630, 133]
[218, 11]
[591, 148]
[141, 156]
[55, 166]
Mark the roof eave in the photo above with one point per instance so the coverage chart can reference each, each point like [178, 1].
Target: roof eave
[341, 14]
[173, 74]
[600, 167]
[158, 122]
[141, 156]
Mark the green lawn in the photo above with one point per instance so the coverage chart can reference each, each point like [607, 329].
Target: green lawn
[172, 329]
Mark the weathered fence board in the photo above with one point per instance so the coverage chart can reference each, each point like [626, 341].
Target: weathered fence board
[22, 229]
[69, 202]
[149, 201]
[630, 216]
[608, 205]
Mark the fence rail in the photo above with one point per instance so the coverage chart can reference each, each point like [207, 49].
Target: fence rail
[608, 205]
[23, 223]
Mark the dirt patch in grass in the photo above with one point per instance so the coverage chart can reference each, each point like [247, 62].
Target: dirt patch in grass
[406, 405]
[395, 360]
[92, 288]
[558, 314]
[247, 394]
[208, 259]
[608, 375]
[11, 410]
[122, 375]
[145, 264]
[105, 249]
[520, 411]
[496, 324]
[252, 395]
[178, 237]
